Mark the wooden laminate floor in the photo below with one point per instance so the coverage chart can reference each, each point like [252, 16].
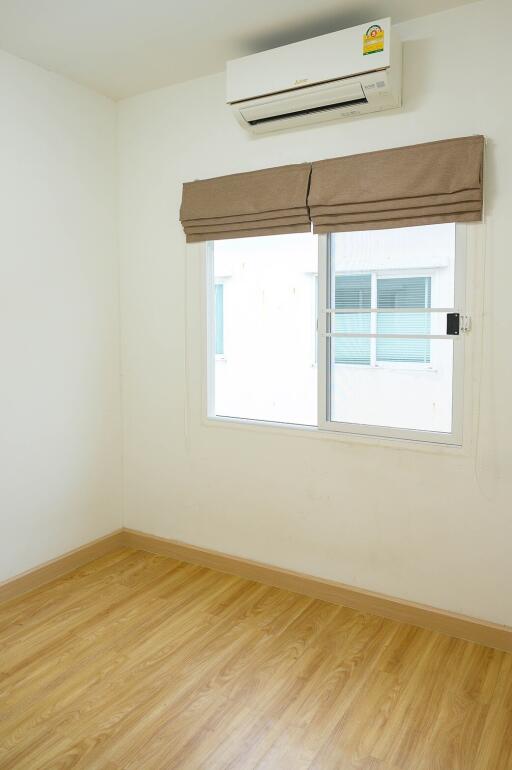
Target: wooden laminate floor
[138, 661]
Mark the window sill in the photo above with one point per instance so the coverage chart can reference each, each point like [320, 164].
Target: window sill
[320, 434]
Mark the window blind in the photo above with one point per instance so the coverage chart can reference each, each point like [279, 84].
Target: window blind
[267, 202]
[417, 185]
[422, 184]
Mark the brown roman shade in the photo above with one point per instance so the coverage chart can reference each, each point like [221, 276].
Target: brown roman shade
[418, 185]
[267, 202]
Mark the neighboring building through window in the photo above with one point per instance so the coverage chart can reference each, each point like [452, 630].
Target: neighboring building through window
[268, 302]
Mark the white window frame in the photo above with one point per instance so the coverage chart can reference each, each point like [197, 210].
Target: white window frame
[325, 424]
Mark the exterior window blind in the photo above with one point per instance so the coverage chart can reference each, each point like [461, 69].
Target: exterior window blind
[403, 292]
[352, 291]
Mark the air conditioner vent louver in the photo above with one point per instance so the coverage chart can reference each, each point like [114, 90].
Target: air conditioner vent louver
[310, 111]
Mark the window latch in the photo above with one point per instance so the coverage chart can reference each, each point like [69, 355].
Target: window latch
[457, 323]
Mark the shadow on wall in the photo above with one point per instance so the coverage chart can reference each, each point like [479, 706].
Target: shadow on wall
[278, 35]
[416, 67]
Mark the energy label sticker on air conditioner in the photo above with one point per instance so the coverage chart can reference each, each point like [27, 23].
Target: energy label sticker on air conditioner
[373, 40]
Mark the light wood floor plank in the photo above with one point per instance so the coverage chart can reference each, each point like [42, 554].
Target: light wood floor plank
[141, 662]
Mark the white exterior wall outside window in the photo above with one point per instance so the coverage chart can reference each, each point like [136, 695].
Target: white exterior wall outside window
[267, 371]
[274, 366]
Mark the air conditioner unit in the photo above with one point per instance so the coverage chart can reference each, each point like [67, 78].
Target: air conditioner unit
[339, 75]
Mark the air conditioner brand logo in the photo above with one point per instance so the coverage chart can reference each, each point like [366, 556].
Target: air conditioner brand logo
[301, 82]
[373, 39]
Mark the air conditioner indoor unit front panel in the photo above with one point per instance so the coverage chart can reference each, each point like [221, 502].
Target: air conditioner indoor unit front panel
[317, 60]
[303, 99]
[349, 84]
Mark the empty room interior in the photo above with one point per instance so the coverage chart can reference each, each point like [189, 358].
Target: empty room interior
[256, 377]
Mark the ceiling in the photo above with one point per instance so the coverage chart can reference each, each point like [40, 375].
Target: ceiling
[124, 47]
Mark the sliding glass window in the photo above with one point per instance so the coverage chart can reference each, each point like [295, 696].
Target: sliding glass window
[358, 332]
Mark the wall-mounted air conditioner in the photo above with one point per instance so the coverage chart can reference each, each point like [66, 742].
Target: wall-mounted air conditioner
[340, 75]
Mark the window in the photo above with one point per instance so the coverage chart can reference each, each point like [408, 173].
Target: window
[378, 290]
[362, 348]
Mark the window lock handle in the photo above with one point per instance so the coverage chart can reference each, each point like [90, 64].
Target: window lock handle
[457, 323]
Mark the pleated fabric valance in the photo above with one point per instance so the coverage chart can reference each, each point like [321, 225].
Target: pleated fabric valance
[418, 185]
[267, 202]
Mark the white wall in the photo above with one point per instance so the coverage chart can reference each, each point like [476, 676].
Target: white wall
[433, 526]
[60, 425]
